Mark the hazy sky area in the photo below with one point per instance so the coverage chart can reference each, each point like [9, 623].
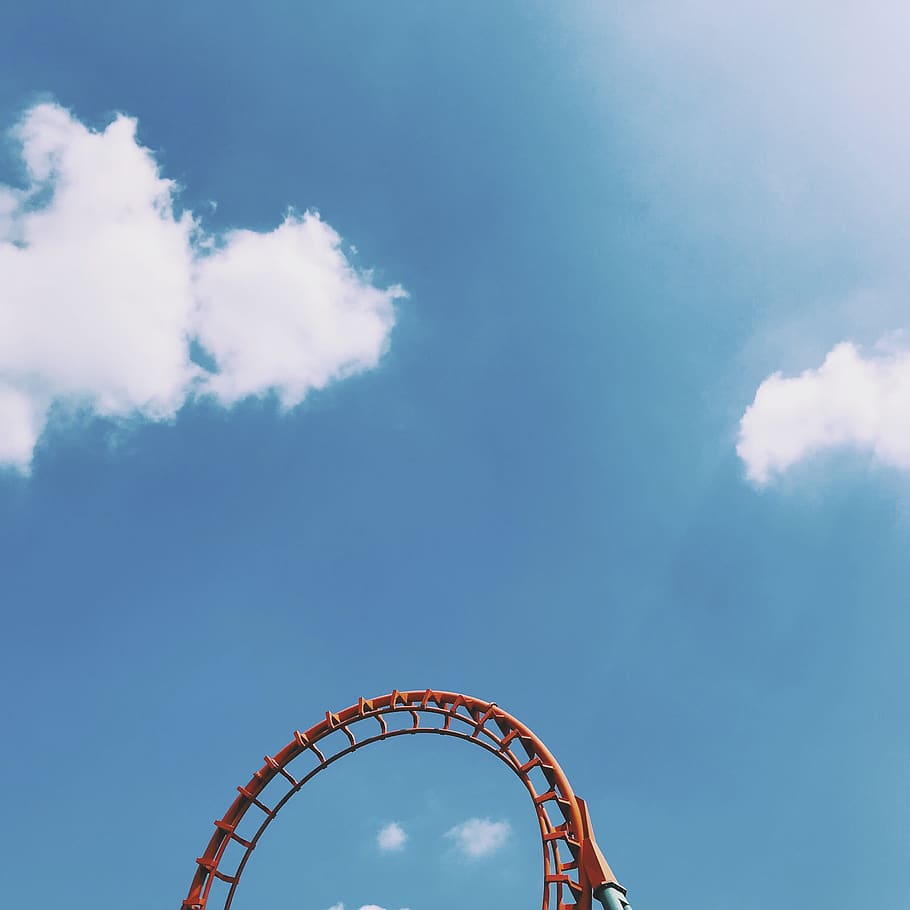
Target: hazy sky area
[557, 353]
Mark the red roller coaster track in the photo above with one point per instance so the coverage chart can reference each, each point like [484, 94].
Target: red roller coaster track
[574, 869]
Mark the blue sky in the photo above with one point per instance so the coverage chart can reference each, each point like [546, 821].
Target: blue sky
[629, 458]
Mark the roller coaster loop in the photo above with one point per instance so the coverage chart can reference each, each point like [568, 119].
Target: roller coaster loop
[574, 869]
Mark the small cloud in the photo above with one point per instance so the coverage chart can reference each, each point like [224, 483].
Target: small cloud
[340, 906]
[478, 837]
[852, 401]
[391, 838]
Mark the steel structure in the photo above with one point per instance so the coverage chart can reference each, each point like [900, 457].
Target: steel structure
[574, 869]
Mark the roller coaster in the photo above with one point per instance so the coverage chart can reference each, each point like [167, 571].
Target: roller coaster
[575, 871]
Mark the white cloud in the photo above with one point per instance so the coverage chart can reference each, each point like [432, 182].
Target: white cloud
[364, 907]
[286, 311]
[104, 287]
[478, 837]
[392, 837]
[862, 402]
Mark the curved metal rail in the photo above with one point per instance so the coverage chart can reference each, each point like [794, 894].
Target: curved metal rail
[574, 869]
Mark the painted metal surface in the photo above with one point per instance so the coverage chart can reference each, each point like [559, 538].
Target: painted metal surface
[573, 865]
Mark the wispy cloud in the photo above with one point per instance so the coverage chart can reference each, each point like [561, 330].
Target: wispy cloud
[755, 107]
[479, 837]
[391, 837]
[105, 290]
